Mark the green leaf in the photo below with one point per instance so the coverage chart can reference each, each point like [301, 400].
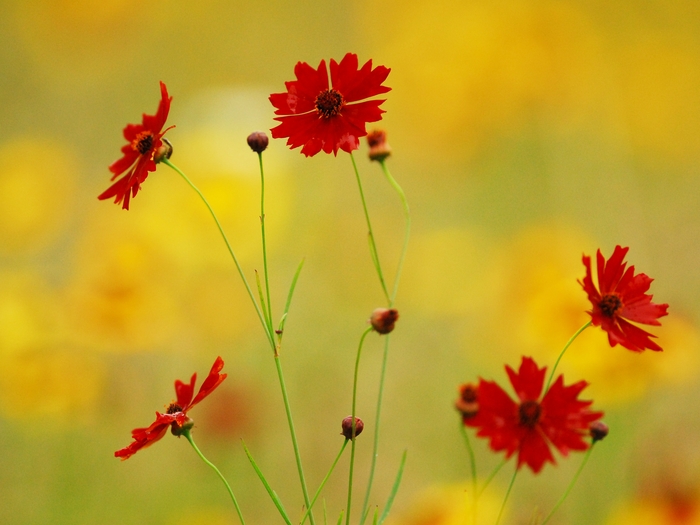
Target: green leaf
[272, 493]
[289, 298]
[394, 489]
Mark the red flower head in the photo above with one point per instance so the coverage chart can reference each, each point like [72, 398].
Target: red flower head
[144, 140]
[322, 117]
[175, 416]
[621, 298]
[529, 426]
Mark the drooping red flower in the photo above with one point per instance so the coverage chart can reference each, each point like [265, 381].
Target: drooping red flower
[621, 297]
[143, 141]
[175, 416]
[531, 424]
[319, 116]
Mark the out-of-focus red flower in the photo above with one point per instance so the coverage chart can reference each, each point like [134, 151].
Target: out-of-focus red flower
[137, 161]
[175, 416]
[528, 426]
[622, 298]
[319, 116]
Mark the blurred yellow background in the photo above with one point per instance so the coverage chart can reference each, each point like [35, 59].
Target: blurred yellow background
[524, 133]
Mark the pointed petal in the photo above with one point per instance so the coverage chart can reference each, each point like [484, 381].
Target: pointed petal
[212, 381]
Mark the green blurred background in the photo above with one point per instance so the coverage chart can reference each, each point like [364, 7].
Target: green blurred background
[524, 134]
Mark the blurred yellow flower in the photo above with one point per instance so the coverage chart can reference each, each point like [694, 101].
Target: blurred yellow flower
[122, 294]
[657, 512]
[450, 505]
[56, 382]
[37, 181]
[449, 273]
[41, 374]
[467, 69]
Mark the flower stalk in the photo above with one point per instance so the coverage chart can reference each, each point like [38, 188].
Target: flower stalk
[188, 436]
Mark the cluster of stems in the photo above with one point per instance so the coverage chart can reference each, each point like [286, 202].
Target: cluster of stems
[263, 307]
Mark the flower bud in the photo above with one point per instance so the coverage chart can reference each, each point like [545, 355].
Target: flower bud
[598, 430]
[379, 149]
[177, 427]
[383, 319]
[164, 151]
[258, 141]
[347, 427]
[468, 401]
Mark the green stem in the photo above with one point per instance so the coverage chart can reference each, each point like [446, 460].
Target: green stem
[323, 483]
[264, 244]
[377, 419]
[407, 231]
[472, 462]
[293, 434]
[354, 402]
[505, 499]
[186, 433]
[372, 244]
[571, 485]
[230, 250]
[566, 347]
[491, 476]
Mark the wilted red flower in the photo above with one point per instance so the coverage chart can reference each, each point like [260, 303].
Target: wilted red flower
[621, 299]
[319, 116]
[175, 416]
[530, 425]
[137, 161]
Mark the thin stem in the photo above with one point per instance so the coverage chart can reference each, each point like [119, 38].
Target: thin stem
[372, 244]
[187, 435]
[472, 462]
[377, 419]
[230, 250]
[354, 402]
[571, 485]
[491, 476]
[566, 347]
[505, 499]
[293, 434]
[407, 231]
[323, 483]
[264, 244]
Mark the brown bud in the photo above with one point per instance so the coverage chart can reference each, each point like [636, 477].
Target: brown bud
[177, 429]
[468, 401]
[164, 151]
[379, 149]
[347, 427]
[258, 141]
[598, 430]
[383, 319]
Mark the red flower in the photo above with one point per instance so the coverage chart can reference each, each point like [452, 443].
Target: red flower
[322, 117]
[137, 161]
[175, 416]
[621, 298]
[529, 426]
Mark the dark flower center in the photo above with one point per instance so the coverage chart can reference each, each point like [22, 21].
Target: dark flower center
[329, 103]
[143, 142]
[173, 408]
[610, 304]
[530, 413]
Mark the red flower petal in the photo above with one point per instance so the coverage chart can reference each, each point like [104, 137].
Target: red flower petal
[357, 84]
[144, 437]
[619, 286]
[529, 380]
[136, 164]
[529, 427]
[212, 381]
[305, 126]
